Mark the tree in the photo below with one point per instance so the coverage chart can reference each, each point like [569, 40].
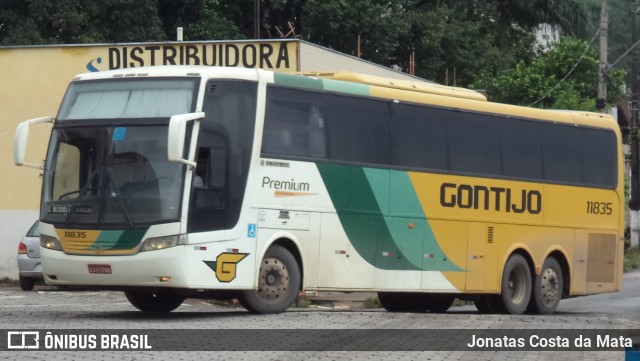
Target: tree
[457, 42]
[129, 20]
[568, 15]
[565, 77]
[337, 23]
[201, 19]
[621, 17]
[47, 22]
[78, 21]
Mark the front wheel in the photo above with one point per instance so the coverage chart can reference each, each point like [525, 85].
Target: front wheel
[516, 285]
[278, 283]
[547, 288]
[155, 301]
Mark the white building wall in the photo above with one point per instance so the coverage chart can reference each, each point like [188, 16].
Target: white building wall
[14, 225]
[316, 58]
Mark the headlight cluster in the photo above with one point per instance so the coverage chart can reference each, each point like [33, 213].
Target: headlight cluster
[158, 243]
[50, 243]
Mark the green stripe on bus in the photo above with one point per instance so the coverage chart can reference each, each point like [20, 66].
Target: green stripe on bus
[382, 216]
[297, 81]
[312, 83]
[346, 87]
[361, 218]
[119, 240]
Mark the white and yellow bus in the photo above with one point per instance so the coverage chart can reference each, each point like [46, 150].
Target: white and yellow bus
[175, 182]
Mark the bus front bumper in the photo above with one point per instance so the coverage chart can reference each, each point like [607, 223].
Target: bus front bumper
[161, 268]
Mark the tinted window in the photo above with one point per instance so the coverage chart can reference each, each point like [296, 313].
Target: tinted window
[521, 150]
[294, 124]
[326, 126]
[562, 153]
[224, 150]
[419, 138]
[357, 129]
[473, 143]
[599, 155]
[301, 123]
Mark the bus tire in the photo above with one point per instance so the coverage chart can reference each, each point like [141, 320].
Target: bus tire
[161, 301]
[402, 301]
[437, 303]
[547, 288]
[279, 281]
[516, 285]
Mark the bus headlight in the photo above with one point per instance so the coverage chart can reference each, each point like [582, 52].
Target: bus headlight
[50, 243]
[154, 244]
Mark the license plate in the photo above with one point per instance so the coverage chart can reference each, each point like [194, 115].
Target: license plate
[103, 269]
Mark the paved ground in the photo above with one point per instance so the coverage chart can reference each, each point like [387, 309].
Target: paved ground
[49, 309]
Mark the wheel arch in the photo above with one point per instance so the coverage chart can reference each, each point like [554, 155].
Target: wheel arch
[290, 245]
[566, 270]
[521, 250]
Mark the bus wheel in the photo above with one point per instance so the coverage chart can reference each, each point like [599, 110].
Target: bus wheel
[278, 283]
[438, 303]
[402, 301]
[154, 301]
[547, 288]
[516, 285]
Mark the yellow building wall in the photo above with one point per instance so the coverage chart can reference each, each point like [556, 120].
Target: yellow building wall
[33, 81]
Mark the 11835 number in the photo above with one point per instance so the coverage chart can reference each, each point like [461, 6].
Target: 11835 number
[599, 208]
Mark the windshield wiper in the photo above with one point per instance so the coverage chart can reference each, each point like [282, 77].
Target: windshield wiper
[80, 192]
[120, 200]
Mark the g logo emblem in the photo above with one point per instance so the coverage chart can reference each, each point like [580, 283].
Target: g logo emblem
[225, 265]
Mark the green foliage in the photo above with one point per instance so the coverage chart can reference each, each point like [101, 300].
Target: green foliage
[569, 15]
[541, 81]
[201, 19]
[481, 43]
[631, 259]
[456, 43]
[78, 21]
[337, 24]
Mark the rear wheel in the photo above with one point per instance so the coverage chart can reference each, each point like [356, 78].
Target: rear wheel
[27, 284]
[402, 301]
[278, 284]
[547, 288]
[155, 301]
[516, 285]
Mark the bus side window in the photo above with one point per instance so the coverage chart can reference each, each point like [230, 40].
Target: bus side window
[294, 124]
[209, 184]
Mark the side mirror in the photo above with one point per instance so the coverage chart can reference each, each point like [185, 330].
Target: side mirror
[177, 134]
[21, 137]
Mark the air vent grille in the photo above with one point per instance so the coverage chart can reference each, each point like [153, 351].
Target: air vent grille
[601, 257]
[490, 235]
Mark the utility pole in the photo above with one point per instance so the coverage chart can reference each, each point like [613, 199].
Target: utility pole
[601, 102]
[634, 202]
[256, 19]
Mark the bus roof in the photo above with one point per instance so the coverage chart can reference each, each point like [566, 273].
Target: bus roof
[380, 87]
[415, 86]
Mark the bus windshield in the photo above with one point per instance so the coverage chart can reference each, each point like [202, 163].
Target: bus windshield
[128, 98]
[110, 175]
